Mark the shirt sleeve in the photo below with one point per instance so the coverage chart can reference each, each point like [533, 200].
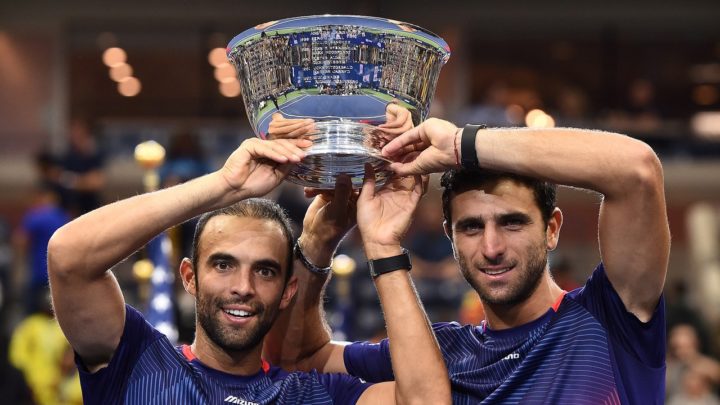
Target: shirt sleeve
[645, 341]
[107, 385]
[369, 361]
[343, 389]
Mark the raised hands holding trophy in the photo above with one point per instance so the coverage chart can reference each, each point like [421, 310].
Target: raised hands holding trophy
[348, 83]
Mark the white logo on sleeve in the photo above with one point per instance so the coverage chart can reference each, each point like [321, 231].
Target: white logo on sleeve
[512, 356]
[238, 401]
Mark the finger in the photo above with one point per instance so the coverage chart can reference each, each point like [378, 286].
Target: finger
[281, 151]
[343, 191]
[304, 130]
[368, 188]
[311, 192]
[405, 169]
[291, 150]
[425, 181]
[261, 149]
[290, 130]
[294, 122]
[399, 144]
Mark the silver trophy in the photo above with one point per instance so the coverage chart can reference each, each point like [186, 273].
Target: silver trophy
[341, 72]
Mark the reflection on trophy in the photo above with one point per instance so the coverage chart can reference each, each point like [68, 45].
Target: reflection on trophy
[330, 79]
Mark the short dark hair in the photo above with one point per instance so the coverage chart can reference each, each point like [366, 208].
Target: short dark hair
[259, 208]
[458, 180]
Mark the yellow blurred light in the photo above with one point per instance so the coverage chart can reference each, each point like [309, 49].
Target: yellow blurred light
[538, 119]
[705, 94]
[217, 57]
[114, 56]
[230, 89]
[149, 154]
[225, 71]
[343, 265]
[120, 72]
[706, 124]
[129, 87]
[143, 269]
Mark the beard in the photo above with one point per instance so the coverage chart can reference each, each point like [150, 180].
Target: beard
[229, 338]
[518, 290]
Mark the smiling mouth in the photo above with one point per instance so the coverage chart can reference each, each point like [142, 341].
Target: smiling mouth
[238, 313]
[496, 271]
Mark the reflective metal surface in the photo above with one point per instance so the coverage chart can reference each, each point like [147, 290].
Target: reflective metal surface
[339, 70]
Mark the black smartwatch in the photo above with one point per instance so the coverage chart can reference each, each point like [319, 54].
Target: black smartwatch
[390, 264]
[468, 158]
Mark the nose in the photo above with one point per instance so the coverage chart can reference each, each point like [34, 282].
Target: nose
[242, 284]
[493, 243]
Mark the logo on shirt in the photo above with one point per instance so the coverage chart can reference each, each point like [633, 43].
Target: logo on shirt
[512, 356]
[238, 401]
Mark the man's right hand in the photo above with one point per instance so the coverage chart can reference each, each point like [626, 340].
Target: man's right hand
[258, 166]
[428, 148]
[327, 220]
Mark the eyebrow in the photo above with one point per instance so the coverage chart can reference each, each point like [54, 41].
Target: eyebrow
[501, 219]
[274, 264]
[514, 216]
[222, 257]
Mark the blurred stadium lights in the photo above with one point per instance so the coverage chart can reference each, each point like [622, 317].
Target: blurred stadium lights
[130, 87]
[539, 119]
[705, 94]
[225, 72]
[120, 72]
[706, 124]
[114, 56]
[230, 88]
[217, 57]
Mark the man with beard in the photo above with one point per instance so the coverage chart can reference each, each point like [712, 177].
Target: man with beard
[602, 343]
[241, 277]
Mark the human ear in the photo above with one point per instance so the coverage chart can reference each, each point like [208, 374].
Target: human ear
[187, 274]
[289, 292]
[448, 232]
[552, 232]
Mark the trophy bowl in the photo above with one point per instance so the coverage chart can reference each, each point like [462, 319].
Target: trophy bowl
[341, 72]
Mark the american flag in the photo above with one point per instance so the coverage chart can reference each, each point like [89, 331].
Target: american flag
[160, 311]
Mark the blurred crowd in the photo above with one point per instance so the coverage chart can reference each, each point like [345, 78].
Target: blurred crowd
[37, 362]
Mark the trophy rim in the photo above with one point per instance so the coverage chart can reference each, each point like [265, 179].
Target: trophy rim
[253, 33]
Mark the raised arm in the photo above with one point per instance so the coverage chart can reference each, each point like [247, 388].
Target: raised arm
[383, 218]
[86, 296]
[633, 229]
[300, 338]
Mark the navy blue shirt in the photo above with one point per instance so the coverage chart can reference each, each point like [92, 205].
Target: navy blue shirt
[147, 369]
[587, 350]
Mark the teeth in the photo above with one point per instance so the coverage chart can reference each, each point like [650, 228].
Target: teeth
[235, 312]
[496, 272]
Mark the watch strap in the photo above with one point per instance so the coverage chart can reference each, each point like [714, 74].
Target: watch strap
[468, 154]
[389, 264]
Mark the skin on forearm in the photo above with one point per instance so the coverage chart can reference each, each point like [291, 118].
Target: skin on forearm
[590, 159]
[412, 343]
[304, 322]
[119, 229]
